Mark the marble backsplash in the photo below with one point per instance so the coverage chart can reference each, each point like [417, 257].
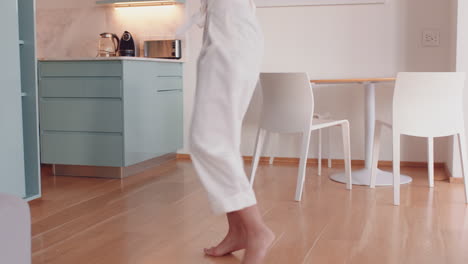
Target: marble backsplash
[70, 28]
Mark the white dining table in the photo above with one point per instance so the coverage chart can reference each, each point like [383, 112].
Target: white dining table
[362, 176]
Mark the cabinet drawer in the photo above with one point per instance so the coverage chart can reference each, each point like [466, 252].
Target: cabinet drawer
[93, 115]
[92, 149]
[168, 69]
[168, 83]
[81, 68]
[81, 87]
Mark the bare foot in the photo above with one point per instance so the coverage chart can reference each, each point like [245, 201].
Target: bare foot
[234, 241]
[258, 244]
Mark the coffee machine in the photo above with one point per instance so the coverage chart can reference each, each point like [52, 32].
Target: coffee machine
[127, 45]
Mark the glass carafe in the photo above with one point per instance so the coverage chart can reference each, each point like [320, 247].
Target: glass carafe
[108, 45]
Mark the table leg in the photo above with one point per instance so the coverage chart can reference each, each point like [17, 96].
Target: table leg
[362, 176]
[370, 121]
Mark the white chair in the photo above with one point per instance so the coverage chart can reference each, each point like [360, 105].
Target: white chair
[270, 138]
[288, 107]
[15, 230]
[424, 105]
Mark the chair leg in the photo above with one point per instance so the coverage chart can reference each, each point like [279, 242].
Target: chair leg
[329, 147]
[256, 156]
[464, 160]
[430, 160]
[396, 168]
[266, 144]
[347, 154]
[320, 152]
[375, 154]
[272, 145]
[302, 165]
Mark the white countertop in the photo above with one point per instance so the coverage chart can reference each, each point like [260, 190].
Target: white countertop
[111, 59]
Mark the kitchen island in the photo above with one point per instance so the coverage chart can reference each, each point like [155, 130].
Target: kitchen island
[109, 117]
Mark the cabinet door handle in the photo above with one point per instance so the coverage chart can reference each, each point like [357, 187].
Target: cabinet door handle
[169, 90]
[23, 94]
[170, 76]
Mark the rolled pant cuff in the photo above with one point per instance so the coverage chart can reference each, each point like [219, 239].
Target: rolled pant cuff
[234, 203]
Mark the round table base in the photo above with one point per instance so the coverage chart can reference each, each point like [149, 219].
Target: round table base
[362, 177]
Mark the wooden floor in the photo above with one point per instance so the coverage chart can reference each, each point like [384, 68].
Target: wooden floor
[162, 216]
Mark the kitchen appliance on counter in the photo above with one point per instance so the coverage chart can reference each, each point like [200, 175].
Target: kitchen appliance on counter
[163, 49]
[127, 45]
[108, 45]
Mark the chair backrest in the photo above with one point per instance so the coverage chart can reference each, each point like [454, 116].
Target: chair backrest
[429, 104]
[288, 102]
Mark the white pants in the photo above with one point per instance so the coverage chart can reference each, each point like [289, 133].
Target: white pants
[228, 70]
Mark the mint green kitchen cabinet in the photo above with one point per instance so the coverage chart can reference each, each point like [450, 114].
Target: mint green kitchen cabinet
[19, 145]
[111, 113]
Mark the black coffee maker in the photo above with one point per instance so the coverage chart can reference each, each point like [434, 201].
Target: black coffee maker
[127, 45]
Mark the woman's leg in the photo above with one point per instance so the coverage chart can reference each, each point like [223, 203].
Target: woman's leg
[259, 236]
[228, 70]
[235, 239]
[247, 230]
[215, 147]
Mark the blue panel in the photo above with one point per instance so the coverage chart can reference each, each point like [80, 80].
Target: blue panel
[11, 142]
[27, 21]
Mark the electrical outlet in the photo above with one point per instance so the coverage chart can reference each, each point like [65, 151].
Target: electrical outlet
[431, 38]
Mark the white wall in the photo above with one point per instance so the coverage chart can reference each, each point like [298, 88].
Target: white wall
[344, 42]
[70, 28]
